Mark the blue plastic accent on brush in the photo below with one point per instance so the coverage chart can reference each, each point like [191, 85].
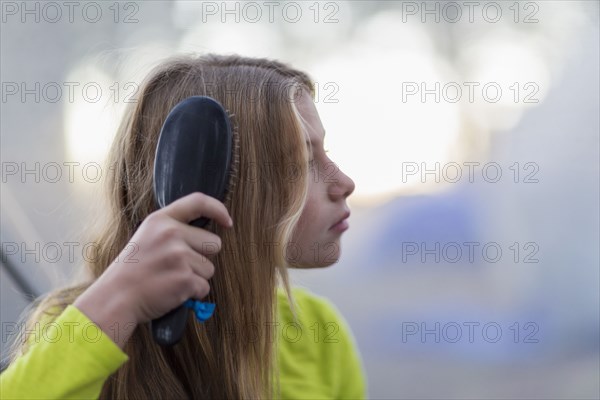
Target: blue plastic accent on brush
[202, 310]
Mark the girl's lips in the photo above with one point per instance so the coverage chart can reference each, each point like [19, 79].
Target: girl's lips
[340, 226]
[342, 223]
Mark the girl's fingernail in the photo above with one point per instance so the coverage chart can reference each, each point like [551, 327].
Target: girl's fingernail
[230, 222]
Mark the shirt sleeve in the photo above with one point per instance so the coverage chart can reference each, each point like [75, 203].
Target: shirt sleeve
[69, 358]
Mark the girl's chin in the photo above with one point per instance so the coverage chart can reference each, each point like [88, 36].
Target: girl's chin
[323, 259]
[311, 266]
[320, 253]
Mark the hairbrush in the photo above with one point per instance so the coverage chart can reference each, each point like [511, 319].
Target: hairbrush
[196, 152]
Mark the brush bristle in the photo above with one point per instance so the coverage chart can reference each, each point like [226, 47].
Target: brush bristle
[235, 161]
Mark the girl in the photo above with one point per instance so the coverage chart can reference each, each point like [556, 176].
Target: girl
[265, 339]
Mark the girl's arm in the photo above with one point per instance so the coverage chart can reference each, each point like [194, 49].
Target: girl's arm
[74, 355]
[69, 358]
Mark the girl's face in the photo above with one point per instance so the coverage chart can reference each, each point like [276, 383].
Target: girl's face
[324, 217]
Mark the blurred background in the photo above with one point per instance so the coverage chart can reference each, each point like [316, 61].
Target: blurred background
[471, 130]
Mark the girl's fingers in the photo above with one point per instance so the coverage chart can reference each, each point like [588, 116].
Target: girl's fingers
[202, 266]
[201, 240]
[201, 289]
[196, 205]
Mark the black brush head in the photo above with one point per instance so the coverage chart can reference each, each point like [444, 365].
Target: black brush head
[194, 154]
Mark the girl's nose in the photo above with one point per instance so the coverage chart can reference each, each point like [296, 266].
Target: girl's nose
[342, 186]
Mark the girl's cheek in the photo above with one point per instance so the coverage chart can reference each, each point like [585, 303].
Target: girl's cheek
[307, 214]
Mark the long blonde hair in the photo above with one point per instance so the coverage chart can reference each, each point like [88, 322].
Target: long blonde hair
[216, 359]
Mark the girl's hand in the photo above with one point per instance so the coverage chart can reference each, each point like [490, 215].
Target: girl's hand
[167, 266]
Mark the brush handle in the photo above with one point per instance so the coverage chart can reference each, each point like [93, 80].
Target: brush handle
[168, 329]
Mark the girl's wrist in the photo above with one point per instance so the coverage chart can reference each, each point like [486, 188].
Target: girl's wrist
[110, 313]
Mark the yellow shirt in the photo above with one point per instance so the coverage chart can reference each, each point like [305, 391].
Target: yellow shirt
[72, 358]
